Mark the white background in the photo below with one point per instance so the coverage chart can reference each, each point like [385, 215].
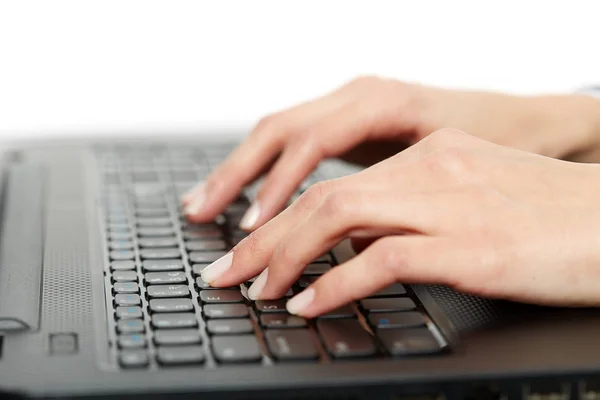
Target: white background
[74, 67]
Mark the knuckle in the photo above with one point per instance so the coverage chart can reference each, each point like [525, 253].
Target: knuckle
[265, 122]
[340, 204]
[284, 254]
[389, 257]
[314, 195]
[446, 136]
[365, 81]
[452, 162]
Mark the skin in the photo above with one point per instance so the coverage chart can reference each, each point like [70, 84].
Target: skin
[451, 209]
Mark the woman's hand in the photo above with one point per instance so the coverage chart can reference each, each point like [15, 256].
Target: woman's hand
[370, 119]
[452, 210]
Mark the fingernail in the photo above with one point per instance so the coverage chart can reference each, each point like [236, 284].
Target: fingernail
[216, 269]
[259, 284]
[249, 219]
[196, 203]
[298, 303]
[189, 195]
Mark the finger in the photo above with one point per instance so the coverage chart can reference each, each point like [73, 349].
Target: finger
[341, 213]
[406, 259]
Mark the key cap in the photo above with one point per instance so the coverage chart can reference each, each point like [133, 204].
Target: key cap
[165, 277]
[305, 281]
[193, 227]
[122, 255]
[342, 312]
[154, 222]
[123, 299]
[396, 320]
[388, 304]
[205, 257]
[205, 286]
[345, 338]
[125, 287]
[130, 326]
[225, 311]
[221, 296]
[122, 265]
[151, 213]
[157, 242]
[316, 269]
[133, 358]
[276, 321]
[159, 291]
[120, 245]
[128, 312]
[124, 276]
[236, 349]
[229, 326]
[205, 245]
[202, 235]
[155, 232]
[119, 235]
[401, 342]
[162, 265]
[123, 228]
[174, 320]
[325, 258]
[270, 306]
[391, 291]
[171, 305]
[291, 344]
[180, 355]
[160, 253]
[132, 341]
[177, 336]
[198, 268]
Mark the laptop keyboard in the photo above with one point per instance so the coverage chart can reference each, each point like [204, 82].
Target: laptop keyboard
[162, 314]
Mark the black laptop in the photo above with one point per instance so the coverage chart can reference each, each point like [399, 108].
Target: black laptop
[101, 296]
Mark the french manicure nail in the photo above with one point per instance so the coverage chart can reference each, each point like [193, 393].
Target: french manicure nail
[189, 195]
[298, 303]
[196, 204]
[259, 284]
[216, 269]
[249, 219]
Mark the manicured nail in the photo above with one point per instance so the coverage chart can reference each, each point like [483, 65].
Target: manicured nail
[196, 204]
[216, 269]
[298, 303]
[249, 219]
[189, 195]
[259, 284]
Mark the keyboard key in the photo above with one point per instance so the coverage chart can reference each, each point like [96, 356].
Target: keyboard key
[225, 311]
[123, 228]
[205, 286]
[205, 245]
[229, 326]
[155, 232]
[291, 344]
[160, 253]
[342, 312]
[168, 291]
[396, 320]
[221, 296]
[128, 312]
[171, 305]
[133, 358]
[174, 320]
[122, 265]
[162, 265]
[316, 269]
[325, 258]
[165, 277]
[155, 242]
[177, 336]
[345, 338]
[119, 235]
[205, 257]
[122, 255]
[277, 321]
[124, 276]
[202, 235]
[125, 300]
[126, 287]
[151, 213]
[180, 355]
[198, 268]
[236, 349]
[120, 245]
[270, 306]
[154, 222]
[132, 341]
[305, 281]
[391, 291]
[130, 326]
[388, 304]
[401, 342]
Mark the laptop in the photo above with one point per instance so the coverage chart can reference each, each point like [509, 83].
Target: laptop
[100, 296]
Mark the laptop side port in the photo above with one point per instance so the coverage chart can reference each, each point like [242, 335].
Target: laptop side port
[547, 390]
